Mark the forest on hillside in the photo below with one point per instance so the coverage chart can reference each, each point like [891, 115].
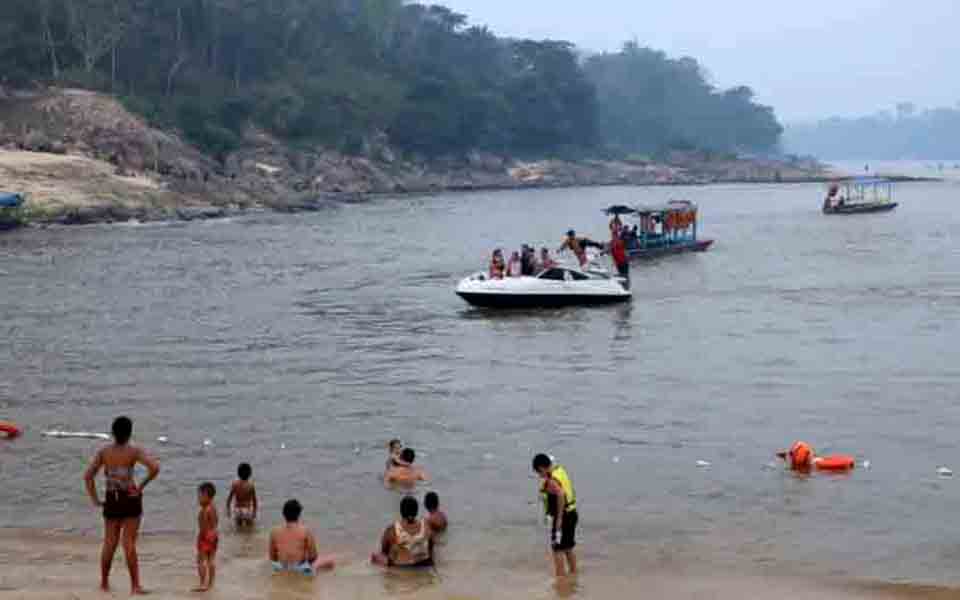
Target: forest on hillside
[904, 134]
[341, 72]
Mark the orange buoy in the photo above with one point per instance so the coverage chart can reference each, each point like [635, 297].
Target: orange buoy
[836, 462]
[9, 429]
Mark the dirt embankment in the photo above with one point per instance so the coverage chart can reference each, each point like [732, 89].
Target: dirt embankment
[81, 157]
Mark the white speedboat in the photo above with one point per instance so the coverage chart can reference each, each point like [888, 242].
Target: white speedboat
[558, 286]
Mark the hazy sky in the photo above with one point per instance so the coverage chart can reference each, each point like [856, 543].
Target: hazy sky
[807, 58]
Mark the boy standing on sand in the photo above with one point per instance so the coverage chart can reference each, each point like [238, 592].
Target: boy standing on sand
[207, 536]
[243, 498]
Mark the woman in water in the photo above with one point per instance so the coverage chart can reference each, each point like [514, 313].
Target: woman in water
[123, 504]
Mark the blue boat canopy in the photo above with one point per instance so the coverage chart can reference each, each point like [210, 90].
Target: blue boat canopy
[8, 200]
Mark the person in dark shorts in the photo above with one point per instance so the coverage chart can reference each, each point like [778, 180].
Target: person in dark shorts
[618, 252]
[560, 504]
[123, 503]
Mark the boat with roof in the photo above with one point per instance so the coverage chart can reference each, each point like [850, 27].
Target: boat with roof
[653, 231]
[859, 196]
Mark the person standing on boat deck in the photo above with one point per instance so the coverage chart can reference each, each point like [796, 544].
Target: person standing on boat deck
[498, 268]
[618, 252]
[546, 261]
[514, 268]
[123, 502]
[560, 504]
[528, 261]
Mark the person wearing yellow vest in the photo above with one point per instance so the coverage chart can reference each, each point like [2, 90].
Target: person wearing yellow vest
[560, 504]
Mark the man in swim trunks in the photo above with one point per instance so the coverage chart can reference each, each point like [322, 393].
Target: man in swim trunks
[293, 548]
[408, 542]
[560, 504]
[207, 537]
[243, 498]
[123, 503]
[405, 473]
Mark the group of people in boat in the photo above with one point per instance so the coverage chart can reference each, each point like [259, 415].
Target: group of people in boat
[523, 263]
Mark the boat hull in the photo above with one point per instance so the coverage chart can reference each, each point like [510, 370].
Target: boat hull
[650, 253]
[860, 209]
[489, 300]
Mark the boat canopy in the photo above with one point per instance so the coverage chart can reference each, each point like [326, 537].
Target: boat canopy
[8, 200]
[674, 206]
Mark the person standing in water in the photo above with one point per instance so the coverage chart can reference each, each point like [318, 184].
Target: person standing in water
[242, 504]
[560, 504]
[123, 504]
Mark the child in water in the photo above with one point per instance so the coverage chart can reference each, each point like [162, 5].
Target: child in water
[436, 518]
[207, 536]
[243, 498]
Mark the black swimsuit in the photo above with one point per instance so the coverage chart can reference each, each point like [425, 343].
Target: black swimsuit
[119, 502]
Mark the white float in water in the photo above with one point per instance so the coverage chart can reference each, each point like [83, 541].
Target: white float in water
[866, 464]
[163, 439]
[703, 463]
[944, 472]
[86, 435]
[616, 459]
[208, 442]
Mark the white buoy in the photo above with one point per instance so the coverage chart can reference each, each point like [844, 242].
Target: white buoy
[208, 442]
[944, 472]
[163, 439]
[866, 464]
[283, 446]
[616, 459]
[703, 464]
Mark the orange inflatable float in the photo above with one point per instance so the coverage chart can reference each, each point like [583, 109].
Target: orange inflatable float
[9, 429]
[836, 462]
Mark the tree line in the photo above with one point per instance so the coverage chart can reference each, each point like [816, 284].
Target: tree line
[904, 133]
[339, 71]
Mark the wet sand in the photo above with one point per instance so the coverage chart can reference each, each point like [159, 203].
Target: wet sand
[41, 565]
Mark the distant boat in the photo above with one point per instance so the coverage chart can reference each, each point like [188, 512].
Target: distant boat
[660, 230]
[860, 196]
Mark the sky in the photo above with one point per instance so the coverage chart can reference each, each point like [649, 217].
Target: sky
[809, 59]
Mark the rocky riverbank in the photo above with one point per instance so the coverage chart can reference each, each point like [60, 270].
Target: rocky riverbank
[81, 157]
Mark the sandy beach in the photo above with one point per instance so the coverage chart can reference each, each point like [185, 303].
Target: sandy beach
[40, 565]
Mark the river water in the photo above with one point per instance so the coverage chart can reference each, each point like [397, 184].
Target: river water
[302, 343]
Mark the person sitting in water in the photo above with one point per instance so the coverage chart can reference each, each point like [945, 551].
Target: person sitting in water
[293, 548]
[407, 473]
[578, 246]
[514, 267]
[436, 518]
[498, 268]
[546, 261]
[408, 542]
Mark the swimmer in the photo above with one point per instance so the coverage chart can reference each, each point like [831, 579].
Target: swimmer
[242, 503]
[207, 537]
[559, 503]
[405, 473]
[435, 517]
[801, 457]
[293, 548]
[408, 542]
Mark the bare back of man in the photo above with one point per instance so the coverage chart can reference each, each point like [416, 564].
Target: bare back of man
[293, 547]
[404, 476]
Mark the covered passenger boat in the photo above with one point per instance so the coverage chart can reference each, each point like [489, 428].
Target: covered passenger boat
[654, 231]
[859, 196]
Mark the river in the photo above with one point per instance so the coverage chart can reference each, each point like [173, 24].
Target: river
[302, 343]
